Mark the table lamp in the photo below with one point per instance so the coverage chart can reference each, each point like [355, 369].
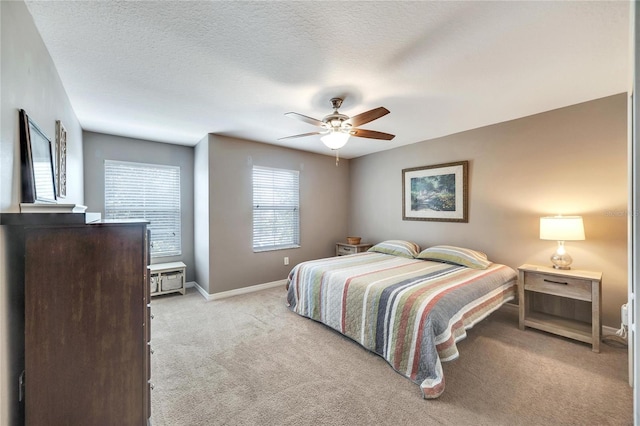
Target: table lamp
[561, 229]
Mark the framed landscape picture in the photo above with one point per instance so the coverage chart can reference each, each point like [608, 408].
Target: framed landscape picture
[436, 193]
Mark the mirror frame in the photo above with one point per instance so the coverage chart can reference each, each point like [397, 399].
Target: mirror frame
[30, 133]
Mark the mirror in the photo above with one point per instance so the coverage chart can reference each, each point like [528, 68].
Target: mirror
[36, 158]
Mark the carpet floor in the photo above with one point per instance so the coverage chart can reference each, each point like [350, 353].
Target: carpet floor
[248, 360]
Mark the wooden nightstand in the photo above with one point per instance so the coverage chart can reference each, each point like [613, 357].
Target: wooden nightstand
[344, 248]
[563, 302]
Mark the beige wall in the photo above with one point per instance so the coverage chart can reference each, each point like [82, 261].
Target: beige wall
[29, 80]
[201, 212]
[324, 194]
[571, 161]
[99, 147]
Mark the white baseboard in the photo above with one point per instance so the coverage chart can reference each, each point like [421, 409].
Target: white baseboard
[238, 291]
[202, 291]
[507, 307]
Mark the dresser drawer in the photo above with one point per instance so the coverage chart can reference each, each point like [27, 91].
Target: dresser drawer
[558, 285]
[344, 250]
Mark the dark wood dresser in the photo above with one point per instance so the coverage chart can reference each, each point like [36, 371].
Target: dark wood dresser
[87, 331]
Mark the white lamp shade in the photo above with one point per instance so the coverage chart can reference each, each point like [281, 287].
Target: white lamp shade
[335, 140]
[562, 228]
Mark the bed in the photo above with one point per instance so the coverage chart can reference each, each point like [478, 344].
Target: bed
[408, 307]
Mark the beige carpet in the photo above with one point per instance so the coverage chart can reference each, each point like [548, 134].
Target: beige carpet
[248, 360]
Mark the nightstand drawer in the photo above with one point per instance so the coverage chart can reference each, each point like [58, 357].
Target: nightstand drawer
[558, 285]
[343, 250]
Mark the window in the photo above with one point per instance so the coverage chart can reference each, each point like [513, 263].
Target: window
[276, 209]
[150, 192]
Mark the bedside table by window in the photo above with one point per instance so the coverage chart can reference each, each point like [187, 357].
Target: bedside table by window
[564, 302]
[344, 248]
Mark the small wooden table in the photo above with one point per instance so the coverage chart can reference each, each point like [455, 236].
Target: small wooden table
[564, 302]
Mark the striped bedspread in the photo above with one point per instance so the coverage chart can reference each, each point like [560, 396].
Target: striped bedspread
[410, 312]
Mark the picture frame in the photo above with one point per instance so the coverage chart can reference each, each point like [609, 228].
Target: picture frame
[436, 193]
[61, 160]
[38, 181]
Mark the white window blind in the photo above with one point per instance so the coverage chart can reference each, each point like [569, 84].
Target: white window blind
[276, 209]
[150, 192]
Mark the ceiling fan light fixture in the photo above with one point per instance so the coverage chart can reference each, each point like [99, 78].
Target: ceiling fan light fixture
[336, 128]
[335, 139]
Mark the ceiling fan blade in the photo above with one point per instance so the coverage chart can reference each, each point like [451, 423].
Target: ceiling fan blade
[304, 118]
[371, 134]
[302, 135]
[367, 116]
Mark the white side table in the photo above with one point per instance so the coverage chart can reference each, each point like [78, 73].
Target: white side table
[167, 278]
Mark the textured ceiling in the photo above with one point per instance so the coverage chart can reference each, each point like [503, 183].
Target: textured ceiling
[173, 71]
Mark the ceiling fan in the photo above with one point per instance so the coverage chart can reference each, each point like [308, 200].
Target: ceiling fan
[336, 127]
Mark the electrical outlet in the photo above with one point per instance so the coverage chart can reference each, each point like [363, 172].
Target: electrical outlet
[286, 261]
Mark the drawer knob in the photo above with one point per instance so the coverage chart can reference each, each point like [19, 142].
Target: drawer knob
[556, 282]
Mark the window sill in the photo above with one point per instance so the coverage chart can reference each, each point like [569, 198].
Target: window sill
[262, 250]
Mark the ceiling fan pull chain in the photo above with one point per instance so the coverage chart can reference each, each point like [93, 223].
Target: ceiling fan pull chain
[337, 157]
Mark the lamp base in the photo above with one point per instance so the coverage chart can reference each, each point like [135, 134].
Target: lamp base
[561, 261]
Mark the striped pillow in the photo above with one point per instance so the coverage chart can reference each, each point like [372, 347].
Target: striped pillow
[456, 255]
[397, 248]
